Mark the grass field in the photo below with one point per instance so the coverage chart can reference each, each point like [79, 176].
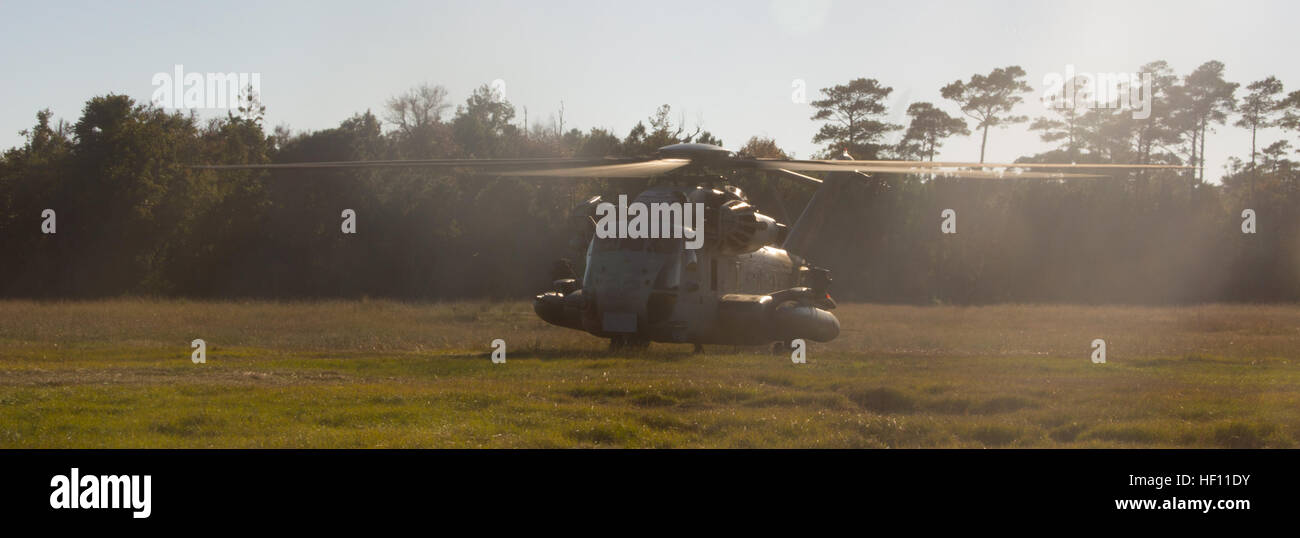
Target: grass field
[386, 374]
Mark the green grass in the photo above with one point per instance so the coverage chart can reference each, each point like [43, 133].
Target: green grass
[387, 374]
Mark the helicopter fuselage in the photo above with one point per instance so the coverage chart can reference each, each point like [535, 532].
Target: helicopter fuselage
[742, 292]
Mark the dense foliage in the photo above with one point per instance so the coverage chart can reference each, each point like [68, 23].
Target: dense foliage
[134, 218]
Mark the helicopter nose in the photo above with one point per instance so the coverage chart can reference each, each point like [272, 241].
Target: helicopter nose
[622, 300]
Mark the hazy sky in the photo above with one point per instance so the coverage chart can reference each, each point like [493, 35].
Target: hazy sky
[727, 66]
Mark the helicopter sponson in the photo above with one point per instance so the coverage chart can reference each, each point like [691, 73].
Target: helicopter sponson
[738, 319]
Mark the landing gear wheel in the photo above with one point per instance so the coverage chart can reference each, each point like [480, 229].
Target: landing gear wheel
[699, 348]
[781, 348]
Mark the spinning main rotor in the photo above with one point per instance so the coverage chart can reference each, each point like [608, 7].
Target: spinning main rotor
[676, 157]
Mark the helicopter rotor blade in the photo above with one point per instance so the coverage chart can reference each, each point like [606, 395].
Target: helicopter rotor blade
[1055, 166]
[587, 168]
[786, 169]
[425, 163]
[795, 176]
[633, 169]
[832, 165]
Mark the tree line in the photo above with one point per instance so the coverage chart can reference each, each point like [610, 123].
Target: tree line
[133, 217]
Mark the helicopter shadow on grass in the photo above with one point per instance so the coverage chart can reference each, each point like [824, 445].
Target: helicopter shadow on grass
[654, 355]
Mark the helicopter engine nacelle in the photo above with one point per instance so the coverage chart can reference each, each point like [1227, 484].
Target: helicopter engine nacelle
[739, 228]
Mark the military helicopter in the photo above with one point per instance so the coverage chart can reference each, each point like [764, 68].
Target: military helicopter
[747, 283]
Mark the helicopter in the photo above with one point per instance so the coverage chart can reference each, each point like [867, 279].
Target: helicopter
[748, 282]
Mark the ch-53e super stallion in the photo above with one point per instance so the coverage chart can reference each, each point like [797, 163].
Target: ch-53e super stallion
[734, 277]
